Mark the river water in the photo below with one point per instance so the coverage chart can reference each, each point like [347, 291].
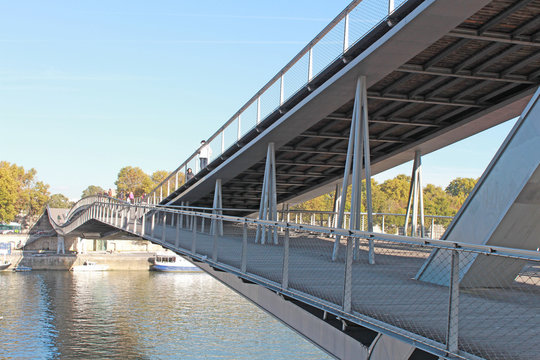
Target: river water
[136, 315]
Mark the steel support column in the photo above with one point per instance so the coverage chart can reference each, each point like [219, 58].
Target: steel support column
[268, 205]
[216, 226]
[358, 154]
[416, 198]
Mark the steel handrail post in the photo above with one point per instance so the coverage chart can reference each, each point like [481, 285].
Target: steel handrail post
[285, 268]
[143, 222]
[347, 282]
[164, 225]
[194, 237]
[453, 305]
[153, 224]
[243, 266]
[177, 238]
[215, 244]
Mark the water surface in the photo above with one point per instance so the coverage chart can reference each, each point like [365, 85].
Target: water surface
[136, 315]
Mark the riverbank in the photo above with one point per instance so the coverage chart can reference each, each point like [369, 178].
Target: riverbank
[140, 261]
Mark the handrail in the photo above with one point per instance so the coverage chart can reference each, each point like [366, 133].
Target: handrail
[256, 99]
[327, 230]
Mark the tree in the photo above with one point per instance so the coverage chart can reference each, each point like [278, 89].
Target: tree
[59, 201]
[28, 196]
[461, 187]
[437, 202]
[158, 176]
[133, 179]
[92, 190]
[38, 195]
[8, 193]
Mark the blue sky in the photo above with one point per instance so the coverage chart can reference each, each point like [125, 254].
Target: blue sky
[87, 87]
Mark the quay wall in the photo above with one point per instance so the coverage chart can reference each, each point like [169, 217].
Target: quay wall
[46, 261]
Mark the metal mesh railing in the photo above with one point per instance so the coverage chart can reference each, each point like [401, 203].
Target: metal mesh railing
[473, 301]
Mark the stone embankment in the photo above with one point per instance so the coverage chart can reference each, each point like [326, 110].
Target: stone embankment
[53, 261]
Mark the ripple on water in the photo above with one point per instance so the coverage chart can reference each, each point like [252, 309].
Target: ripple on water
[137, 315]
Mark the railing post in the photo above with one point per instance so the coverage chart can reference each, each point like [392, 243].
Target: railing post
[177, 239]
[215, 247]
[182, 215]
[176, 182]
[281, 91]
[390, 6]
[258, 109]
[135, 221]
[346, 33]
[453, 305]
[222, 142]
[432, 227]
[194, 238]
[143, 222]
[164, 225]
[153, 225]
[285, 269]
[310, 65]
[382, 227]
[239, 132]
[347, 283]
[243, 266]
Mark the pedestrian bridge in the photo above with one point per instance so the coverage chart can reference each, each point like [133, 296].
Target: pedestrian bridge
[382, 84]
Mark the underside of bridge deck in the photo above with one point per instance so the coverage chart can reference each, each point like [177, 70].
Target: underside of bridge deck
[488, 62]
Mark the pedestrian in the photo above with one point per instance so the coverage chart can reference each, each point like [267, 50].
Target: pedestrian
[205, 152]
[131, 197]
[189, 174]
[109, 193]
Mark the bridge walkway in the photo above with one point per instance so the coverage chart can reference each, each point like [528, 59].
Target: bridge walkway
[385, 292]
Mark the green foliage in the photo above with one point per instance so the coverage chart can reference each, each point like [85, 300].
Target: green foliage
[20, 193]
[8, 194]
[133, 179]
[59, 201]
[92, 190]
[158, 176]
[392, 196]
[461, 187]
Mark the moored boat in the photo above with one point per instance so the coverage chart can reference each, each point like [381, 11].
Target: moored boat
[4, 264]
[172, 262]
[90, 266]
[22, 268]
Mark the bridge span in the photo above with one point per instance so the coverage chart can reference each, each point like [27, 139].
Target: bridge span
[435, 72]
[398, 84]
[369, 295]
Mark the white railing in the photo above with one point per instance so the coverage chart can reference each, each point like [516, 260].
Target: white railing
[332, 43]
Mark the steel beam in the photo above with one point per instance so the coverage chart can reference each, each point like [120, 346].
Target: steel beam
[465, 74]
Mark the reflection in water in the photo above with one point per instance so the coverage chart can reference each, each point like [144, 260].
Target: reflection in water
[136, 315]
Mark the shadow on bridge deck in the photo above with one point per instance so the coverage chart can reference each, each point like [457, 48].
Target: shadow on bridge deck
[385, 292]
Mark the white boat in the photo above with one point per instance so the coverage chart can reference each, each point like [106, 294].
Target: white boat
[5, 249]
[90, 266]
[4, 264]
[173, 262]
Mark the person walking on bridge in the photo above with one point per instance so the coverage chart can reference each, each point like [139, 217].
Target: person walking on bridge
[189, 174]
[205, 152]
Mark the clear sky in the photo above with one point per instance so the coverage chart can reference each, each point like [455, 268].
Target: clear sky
[87, 87]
